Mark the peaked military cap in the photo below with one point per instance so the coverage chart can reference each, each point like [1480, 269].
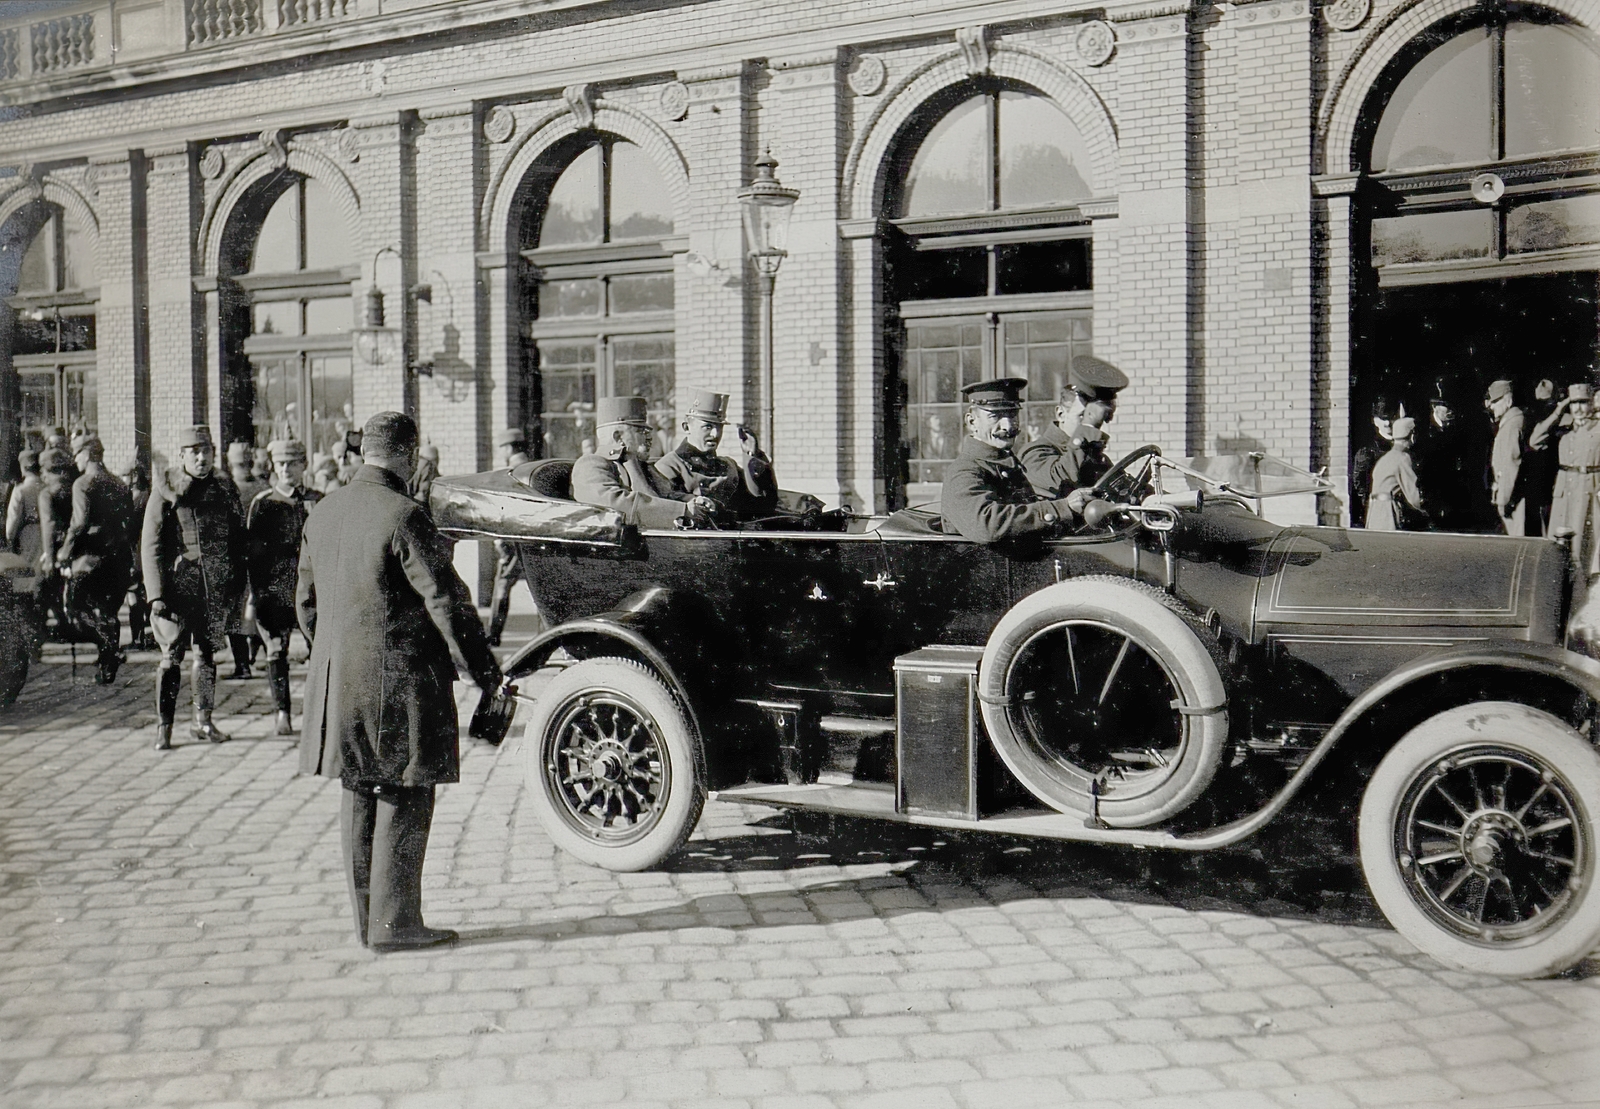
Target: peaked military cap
[708, 405]
[287, 450]
[510, 436]
[1091, 376]
[1002, 392]
[1498, 389]
[1404, 427]
[55, 461]
[197, 435]
[621, 410]
[1580, 391]
[89, 443]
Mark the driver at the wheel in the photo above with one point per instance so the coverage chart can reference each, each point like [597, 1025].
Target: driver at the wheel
[1060, 460]
[986, 494]
[742, 490]
[617, 476]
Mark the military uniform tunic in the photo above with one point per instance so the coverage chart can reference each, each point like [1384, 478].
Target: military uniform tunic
[1058, 463]
[743, 491]
[628, 488]
[273, 526]
[1394, 489]
[987, 497]
[192, 551]
[98, 547]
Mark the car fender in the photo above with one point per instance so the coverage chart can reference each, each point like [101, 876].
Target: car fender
[1532, 659]
[650, 626]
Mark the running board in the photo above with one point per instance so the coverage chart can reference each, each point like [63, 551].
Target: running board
[876, 802]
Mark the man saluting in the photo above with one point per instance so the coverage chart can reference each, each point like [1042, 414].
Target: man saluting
[386, 614]
[742, 490]
[1071, 454]
[987, 496]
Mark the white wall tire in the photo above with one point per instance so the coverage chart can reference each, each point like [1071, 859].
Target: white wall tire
[612, 765]
[1129, 674]
[1478, 839]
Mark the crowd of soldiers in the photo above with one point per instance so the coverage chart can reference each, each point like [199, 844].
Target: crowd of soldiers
[201, 556]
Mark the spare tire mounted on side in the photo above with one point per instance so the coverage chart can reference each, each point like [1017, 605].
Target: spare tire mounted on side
[1106, 696]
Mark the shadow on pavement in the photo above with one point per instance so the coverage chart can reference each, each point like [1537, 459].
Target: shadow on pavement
[1295, 874]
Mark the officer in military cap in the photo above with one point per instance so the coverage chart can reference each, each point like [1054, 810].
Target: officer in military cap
[987, 496]
[742, 490]
[96, 554]
[192, 552]
[1071, 454]
[617, 476]
[273, 526]
[242, 641]
[55, 512]
[513, 446]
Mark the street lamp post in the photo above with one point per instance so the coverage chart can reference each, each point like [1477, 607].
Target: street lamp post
[767, 205]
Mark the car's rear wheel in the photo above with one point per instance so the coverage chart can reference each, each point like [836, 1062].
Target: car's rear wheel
[1478, 836]
[1105, 696]
[612, 765]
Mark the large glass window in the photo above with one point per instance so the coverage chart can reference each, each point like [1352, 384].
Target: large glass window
[53, 327]
[990, 267]
[599, 296]
[1516, 96]
[300, 316]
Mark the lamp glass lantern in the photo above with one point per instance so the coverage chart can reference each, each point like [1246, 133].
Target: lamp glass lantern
[766, 205]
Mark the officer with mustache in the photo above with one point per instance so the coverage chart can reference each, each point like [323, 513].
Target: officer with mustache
[987, 496]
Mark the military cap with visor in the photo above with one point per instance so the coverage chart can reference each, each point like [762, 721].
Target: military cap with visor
[55, 461]
[1580, 391]
[1499, 389]
[287, 450]
[1095, 377]
[196, 435]
[709, 406]
[1000, 394]
[621, 410]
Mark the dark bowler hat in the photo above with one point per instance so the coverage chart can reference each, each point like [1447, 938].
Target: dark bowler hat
[1001, 393]
[196, 435]
[510, 436]
[709, 406]
[1093, 376]
[621, 410]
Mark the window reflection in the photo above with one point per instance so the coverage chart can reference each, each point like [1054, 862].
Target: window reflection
[1043, 159]
[1432, 237]
[1440, 112]
[1552, 90]
[1552, 224]
[951, 170]
[573, 213]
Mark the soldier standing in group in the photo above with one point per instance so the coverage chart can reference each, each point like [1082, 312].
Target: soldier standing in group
[742, 490]
[57, 473]
[133, 476]
[192, 553]
[1448, 476]
[242, 640]
[1384, 412]
[987, 496]
[97, 554]
[1572, 509]
[513, 447]
[1505, 459]
[23, 538]
[617, 476]
[273, 525]
[1395, 503]
[1062, 460]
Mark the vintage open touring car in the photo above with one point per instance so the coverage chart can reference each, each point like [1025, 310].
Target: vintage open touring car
[1172, 675]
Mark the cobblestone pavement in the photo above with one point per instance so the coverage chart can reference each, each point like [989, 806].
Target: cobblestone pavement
[175, 931]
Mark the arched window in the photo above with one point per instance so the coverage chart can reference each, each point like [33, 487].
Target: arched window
[598, 292]
[988, 264]
[296, 287]
[1512, 98]
[53, 322]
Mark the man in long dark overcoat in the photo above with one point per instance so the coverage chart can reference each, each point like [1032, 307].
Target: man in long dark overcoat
[386, 616]
[97, 554]
[192, 554]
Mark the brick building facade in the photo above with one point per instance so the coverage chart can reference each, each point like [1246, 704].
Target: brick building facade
[543, 191]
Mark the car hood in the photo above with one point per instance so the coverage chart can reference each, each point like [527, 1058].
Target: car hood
[495, 505]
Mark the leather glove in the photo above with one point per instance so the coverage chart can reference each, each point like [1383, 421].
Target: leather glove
[1078, 498]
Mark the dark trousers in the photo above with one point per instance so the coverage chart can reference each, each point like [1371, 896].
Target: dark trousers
[275, 624]
[383, 831]
[95, 600]
[507, 572]
[174, 638]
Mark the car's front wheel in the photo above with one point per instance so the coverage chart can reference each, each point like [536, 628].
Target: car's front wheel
[1478, 835]
[612, 765]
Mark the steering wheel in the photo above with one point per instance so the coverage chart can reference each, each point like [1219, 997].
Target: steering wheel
[1121, 483]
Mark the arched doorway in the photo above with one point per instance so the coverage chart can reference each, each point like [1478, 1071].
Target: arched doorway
[287, 311]
[596, 292]
[47, 330]
[988, 267]
[1477, 230]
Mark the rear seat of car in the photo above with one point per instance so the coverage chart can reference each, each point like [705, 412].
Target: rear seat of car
[548, 477]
